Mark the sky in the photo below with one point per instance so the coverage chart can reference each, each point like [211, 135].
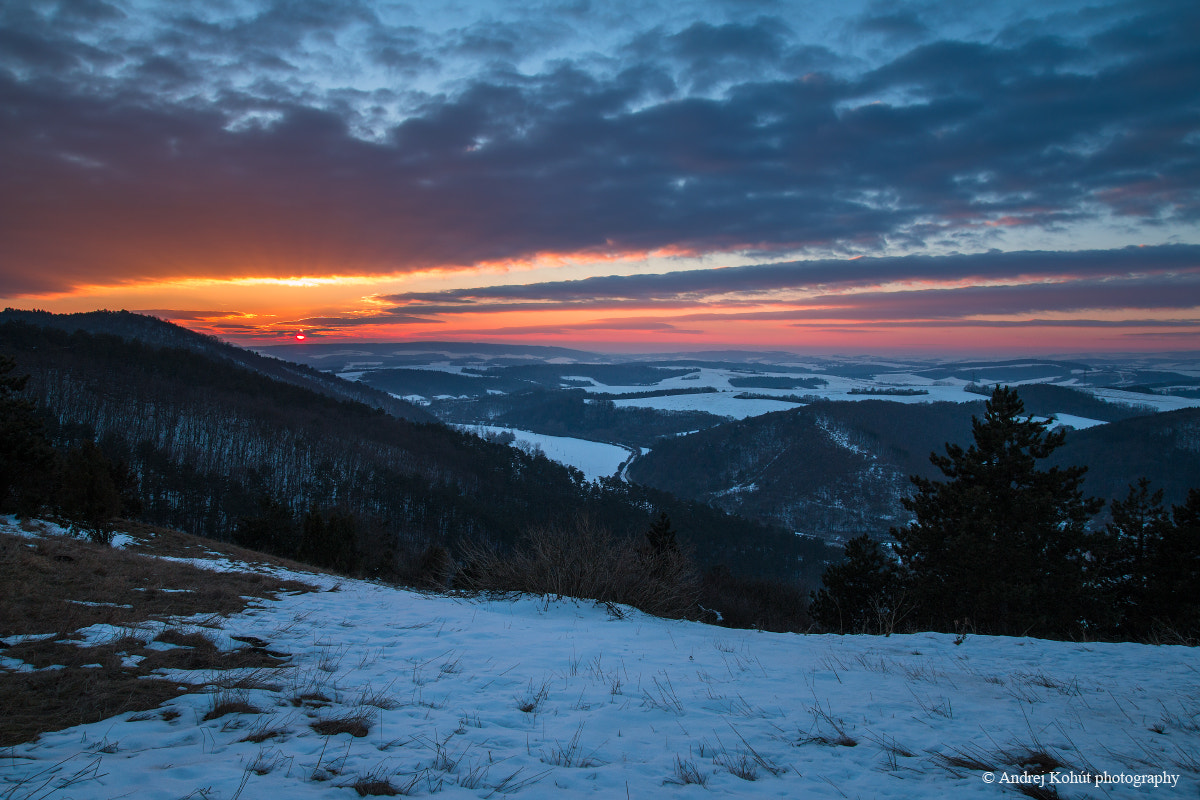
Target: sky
[1001, 177]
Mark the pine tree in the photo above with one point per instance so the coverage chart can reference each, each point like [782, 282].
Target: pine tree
[26, 458]
[1173, 597]
[661, 536]
[1126, 556]
[273, 530]
[329, 541]
[86, 494]
[999, 545]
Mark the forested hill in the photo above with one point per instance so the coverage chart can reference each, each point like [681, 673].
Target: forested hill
[1163, 447]
[212, 445]
[829, 468]
[157, 333]
[841, 468]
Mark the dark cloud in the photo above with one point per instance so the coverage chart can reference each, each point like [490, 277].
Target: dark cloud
[87, 12]
[1034, 322]
[1169, 293]
[595, 326]
[894, 26]
[695, 285]
[213, 169]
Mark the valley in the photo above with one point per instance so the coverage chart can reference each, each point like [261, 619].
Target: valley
[823, 447]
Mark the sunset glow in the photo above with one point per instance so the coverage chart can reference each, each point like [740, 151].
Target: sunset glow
[688, 178]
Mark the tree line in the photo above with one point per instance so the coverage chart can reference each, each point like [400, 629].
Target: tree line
[1005, 546]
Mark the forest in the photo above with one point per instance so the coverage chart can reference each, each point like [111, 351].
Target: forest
[214, 448]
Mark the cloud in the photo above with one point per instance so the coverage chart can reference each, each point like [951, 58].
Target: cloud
[1035, 322]
[893, 26]
[355, 320]
[619, 325]
[945, 304]
[182, 144]
[680, 288]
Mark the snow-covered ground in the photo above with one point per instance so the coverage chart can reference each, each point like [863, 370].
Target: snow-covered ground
[724, 401]
[594, 459]
[1159, 402]
[723, 404]
[1072, 421]
[535, 698]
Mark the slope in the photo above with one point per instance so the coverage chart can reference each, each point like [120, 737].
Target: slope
[1163, 447]
[832, 469]
[213, 446]
[157, 333]
[360, 687]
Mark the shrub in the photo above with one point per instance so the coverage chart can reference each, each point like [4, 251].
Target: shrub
[759, 603]
[862, 594]
[585, 560]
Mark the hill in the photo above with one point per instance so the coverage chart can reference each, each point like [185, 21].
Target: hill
[324, 687]
[837, 469]
[831, 469]
[344, 357]
[158, 334]
[222, 450]
[1163, 447]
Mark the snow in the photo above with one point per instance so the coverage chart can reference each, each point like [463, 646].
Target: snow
[594, 459]
[723, 404]
[624, 705]
[1158, 402]
[1078, 423]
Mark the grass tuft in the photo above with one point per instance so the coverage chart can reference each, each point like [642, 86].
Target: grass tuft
[357, 724]
[230, 702]
[571, 754]
[687, 773]
[531, 699]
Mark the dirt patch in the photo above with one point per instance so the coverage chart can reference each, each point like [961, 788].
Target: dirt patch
[58, 585]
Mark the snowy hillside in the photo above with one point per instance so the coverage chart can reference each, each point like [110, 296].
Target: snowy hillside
[462, 697]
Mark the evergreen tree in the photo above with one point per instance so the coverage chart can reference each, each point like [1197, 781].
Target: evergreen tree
[1173, 596]
[661, 536]
[272, 530]
[328, 541]
[862, 594]
[1126, 558]
[1000, 543]
[26, 458]
[86, 494]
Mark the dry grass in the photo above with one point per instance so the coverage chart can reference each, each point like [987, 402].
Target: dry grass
[36, 702]
[57, 585]
[357, 724]
[224, 703]
[586, 561]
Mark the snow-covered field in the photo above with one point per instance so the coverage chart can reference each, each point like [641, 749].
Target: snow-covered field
[723, 404]
[470, 697]
[594, 459]
[1072, 421]
[1156, 401]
